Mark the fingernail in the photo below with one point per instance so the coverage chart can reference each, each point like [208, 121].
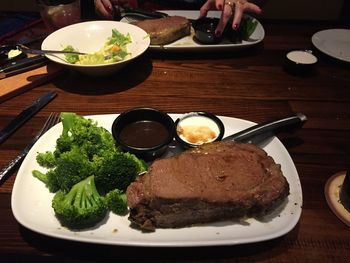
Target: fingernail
[220, 6]
[235, 26]
[218, 33]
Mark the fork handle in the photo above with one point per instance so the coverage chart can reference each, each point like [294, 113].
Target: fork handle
[46, 51]
[12, 164]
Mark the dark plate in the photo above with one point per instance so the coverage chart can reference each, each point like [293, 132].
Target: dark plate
[4, 50]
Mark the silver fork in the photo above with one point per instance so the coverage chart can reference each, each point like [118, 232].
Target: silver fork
[52, 52]
[53, 119]
[27, 50]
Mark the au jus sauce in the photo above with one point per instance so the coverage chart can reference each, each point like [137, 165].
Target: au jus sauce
[144, 134]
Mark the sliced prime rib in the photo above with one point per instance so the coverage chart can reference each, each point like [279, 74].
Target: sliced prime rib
[165, 30]
[214, 182]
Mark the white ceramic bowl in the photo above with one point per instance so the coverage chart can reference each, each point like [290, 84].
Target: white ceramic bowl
[89, 37]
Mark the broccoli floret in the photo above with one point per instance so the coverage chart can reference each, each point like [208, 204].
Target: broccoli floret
[49, 179]
[63, 144]
[46, 159]
[72, 167]
[115, 171]
[81, 207]
[115, 201]
[142, 166]
[85, 134]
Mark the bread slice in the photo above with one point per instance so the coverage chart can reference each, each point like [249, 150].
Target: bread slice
[165, 30]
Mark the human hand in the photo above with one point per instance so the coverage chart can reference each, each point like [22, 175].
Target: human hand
[229, 8]
[105, 10]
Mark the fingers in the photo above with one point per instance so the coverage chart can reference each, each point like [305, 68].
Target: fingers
[226, 14]
[219, 4]
[208, 5]
[229, 8]
[252, 8]
[104, 9]
[240, 8]
[238, 13]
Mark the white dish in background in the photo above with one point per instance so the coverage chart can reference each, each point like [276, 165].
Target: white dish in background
[89, 37]
[31, 205]
[334, 43]
[187, 44]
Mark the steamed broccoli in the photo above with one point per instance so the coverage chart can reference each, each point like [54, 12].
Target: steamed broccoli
[115, 201]
[70, 168]
[80, 143]
[46, 159]
[84, 134]
[49, 179]
[142, 166]
[117, 171]
[81, 207]
[83, 151]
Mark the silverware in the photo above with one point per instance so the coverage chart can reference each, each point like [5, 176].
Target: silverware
[21, 65]
[48, 52]
[25, 115]
[267, 129]
[27, 50]
[51, 121]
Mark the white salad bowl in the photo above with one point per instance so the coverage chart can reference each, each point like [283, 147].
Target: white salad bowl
[89, 37]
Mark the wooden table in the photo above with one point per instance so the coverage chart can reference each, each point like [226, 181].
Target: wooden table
[250, 85]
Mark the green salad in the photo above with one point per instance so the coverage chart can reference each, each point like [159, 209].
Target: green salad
[114, 50]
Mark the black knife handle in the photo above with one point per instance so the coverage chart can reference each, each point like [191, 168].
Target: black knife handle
[268, 128]
[25, 115]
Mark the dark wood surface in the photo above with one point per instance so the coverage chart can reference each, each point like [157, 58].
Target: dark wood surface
[251, 85]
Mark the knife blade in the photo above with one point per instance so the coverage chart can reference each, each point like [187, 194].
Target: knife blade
[21, 65]
[25, 115]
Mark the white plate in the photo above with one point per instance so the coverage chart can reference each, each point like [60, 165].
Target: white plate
[187, 44]
[31, 205]
[334, 43]
[89, 37]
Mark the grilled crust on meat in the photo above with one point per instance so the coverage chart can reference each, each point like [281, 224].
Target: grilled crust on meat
[165, 30]
[214, 182]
